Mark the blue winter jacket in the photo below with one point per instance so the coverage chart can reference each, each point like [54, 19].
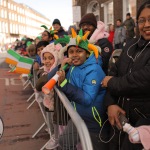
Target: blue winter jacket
[83, 89]
[38, 60]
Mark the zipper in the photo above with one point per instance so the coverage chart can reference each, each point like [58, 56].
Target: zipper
[140, 113]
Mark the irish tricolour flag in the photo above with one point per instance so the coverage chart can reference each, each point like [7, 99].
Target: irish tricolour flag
[24, 65]
[12, 57]
[21, 64]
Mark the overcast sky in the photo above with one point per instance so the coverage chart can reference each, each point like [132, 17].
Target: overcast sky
[61, 9]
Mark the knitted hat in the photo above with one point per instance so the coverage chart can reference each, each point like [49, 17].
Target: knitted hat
[56, 21]
[76, 40]
[79, 40]
[88, 18]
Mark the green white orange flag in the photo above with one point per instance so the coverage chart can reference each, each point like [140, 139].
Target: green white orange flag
[12, 57]
[24, 65]
[21, 64]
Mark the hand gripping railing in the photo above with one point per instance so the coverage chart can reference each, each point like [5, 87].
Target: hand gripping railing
[78, 122]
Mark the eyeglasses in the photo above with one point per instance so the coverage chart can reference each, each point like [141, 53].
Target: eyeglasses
[143, 20]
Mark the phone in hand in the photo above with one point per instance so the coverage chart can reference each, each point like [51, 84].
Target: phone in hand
[122, 119]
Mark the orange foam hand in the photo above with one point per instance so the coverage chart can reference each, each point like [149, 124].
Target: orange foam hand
[50, 84]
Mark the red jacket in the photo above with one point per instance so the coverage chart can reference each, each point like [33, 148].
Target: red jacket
[111, 36]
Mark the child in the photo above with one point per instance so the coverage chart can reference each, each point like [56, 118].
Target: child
[50, 59]
[39, 48]
[31, 50]
[81, 86]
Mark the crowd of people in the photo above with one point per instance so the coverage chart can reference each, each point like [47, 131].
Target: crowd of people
[105, 89]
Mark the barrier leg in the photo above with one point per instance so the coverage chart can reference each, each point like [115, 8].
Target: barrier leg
[38, 130]
[26, 86]
[31, 103]
[30, 97]
[25, 82]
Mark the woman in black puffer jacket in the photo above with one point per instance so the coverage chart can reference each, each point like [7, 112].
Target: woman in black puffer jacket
[128, 86]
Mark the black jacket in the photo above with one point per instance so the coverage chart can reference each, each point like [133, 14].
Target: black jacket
[130, 86]
[61, 32]
[106, 51]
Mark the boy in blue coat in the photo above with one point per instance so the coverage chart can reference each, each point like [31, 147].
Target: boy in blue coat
[81, 86]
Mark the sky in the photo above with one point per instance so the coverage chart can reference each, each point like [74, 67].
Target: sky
[60, 9]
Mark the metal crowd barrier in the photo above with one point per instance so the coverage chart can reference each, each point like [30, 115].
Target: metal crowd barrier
[78, 137]
[82, 131]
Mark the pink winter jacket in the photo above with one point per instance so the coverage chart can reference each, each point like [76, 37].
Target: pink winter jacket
[144, 132]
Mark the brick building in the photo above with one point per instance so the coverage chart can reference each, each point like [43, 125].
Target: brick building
[107, 11]
[18, 20]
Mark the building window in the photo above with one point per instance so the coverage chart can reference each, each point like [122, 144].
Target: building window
[93, 7]
[2, 13]
[4, 3]
[18, 18]
[3, 27]
[10, 27]
[14, 7]
[18, 9]
[5, 14]
[0, 26]
[17, 28]
[129, 7]
[6, 27]
[10, 16]
[13, 18]
[11, 6]
[108, 12]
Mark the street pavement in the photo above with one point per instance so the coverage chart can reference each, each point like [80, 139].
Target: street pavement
[19, 123]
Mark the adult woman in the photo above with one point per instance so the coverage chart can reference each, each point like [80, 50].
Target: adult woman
[128, 86]
[46, 36]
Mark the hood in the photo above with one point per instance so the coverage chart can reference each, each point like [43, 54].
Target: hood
[99, 33]
[55, 51]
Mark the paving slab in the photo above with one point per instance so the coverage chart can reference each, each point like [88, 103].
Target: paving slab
[19, 123]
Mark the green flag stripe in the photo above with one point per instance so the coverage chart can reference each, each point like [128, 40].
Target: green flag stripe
[14, 54]
[26, 60]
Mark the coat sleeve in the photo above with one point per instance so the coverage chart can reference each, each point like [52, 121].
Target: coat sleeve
[123, 33]
[110, 99]
[44, 79]
[137, 82]
[89, 91]
[41, 82]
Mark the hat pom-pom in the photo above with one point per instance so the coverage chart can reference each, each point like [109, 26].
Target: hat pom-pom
[58, 47]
